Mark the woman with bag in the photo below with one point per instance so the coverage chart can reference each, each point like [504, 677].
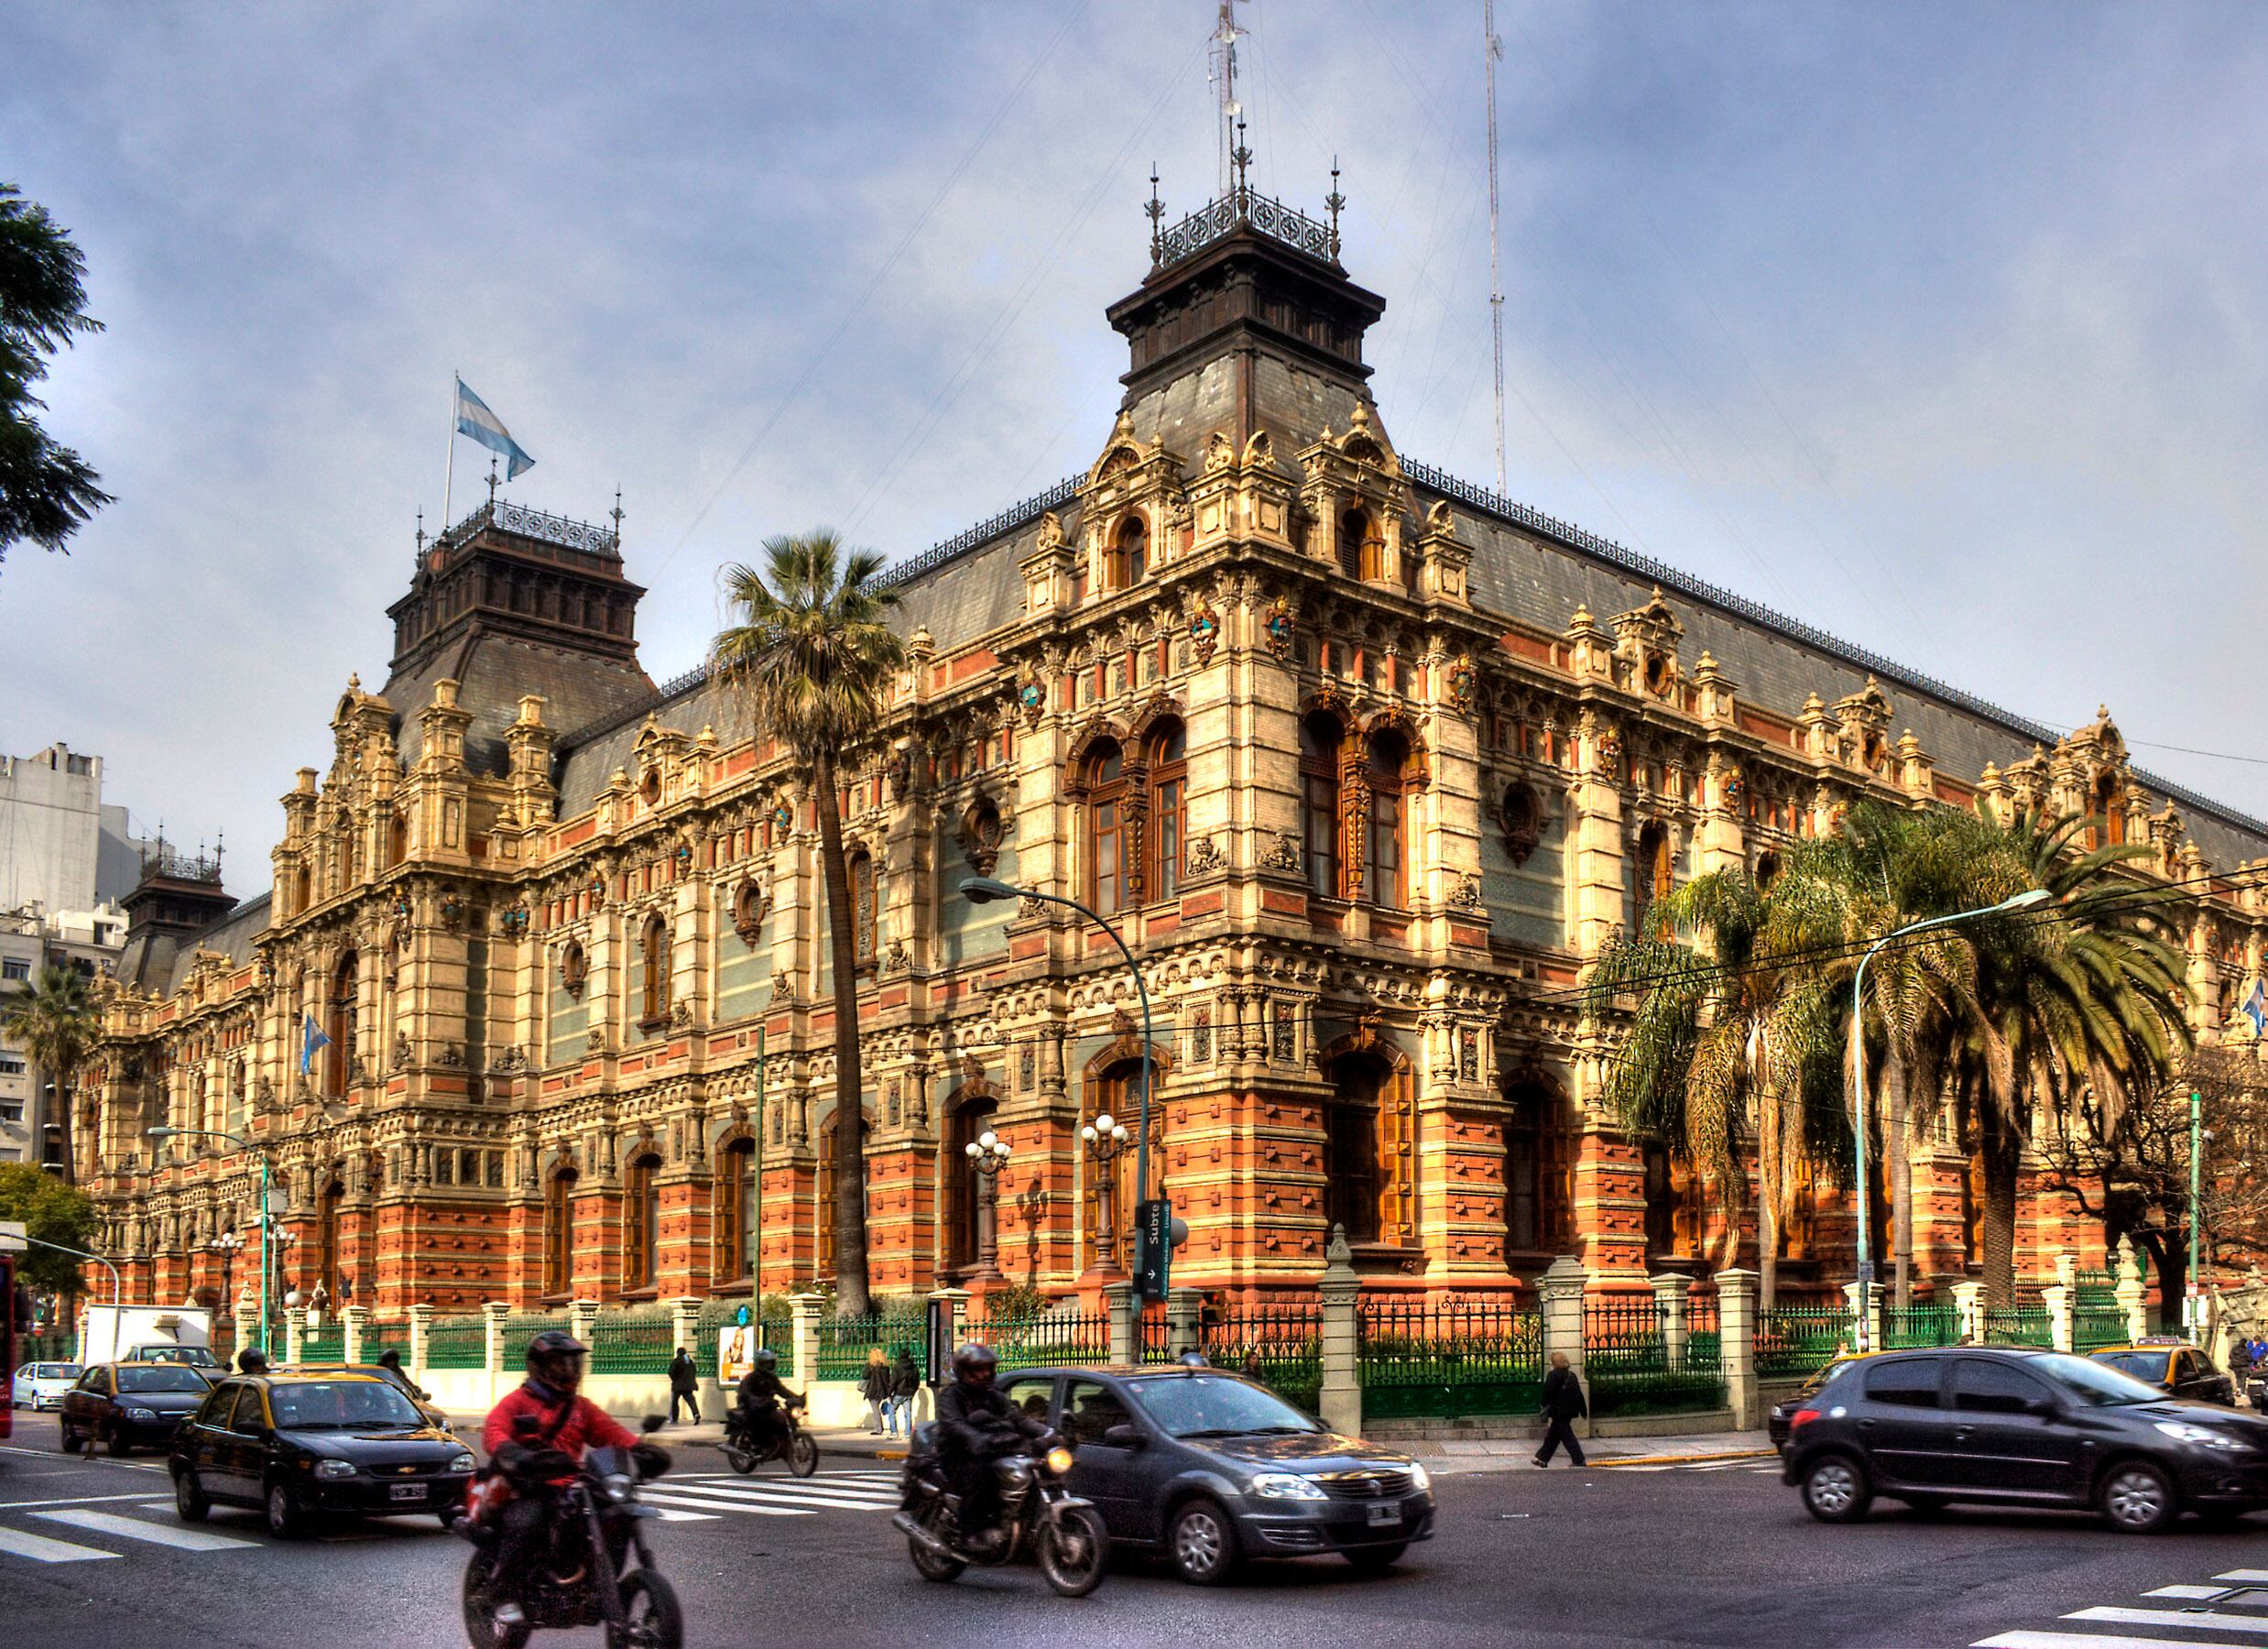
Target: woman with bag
[874, 1386]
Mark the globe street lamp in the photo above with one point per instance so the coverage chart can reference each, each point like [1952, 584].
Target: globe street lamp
[228, 1245]
[985, 890]
[1106, 1139]
[988, 1155]
[2019, 901]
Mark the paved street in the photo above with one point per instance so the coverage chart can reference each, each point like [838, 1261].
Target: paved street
[1718, 1552]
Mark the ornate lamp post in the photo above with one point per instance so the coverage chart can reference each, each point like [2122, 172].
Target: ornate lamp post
[988, 1155]
[228, 1245]
[1106, 1141]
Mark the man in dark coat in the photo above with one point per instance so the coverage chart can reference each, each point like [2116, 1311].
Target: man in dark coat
[1563, 1406]
[975, 1425]
[684, 1386]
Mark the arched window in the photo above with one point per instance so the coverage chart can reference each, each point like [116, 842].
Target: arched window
[339, 1026]
[1117, 1093]
[1673, 1211]
[971, 1116]
[1354, 1119]
[863, 923]
[1321, 736]
[1361, 546]
[653, 948]
[1767, 866]
[1388, 870]
[1105, 829]
[823, 1255]
[1653, 870]
[1129, 552]
[2109, 830]
[558, 1233]
[641, 1221]
[302, 890]
[398, 839]
[1539, 1171]
[1168, 808]
[735, 1203]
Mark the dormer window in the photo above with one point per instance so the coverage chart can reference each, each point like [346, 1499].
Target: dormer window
[1361, 546]
[1129, 553]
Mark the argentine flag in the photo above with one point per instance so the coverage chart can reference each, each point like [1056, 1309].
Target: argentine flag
[476, 420]
[312, 1040]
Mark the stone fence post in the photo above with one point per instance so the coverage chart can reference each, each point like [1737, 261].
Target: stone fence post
[2058, 1300]
[295, 1331]
[1969, 1312]
[1736, 1329]
[1561, 1289]
[1118, 1306]
[582, 1320]
[1182, 1333]
[420, 1333]
[1341, 1398]
[1670, 1310]
[353, 1320]
[492, 1322]
[685, 1331]
[2132, 1298]
[806, 1308]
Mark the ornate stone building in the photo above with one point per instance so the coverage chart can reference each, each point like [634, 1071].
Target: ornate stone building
[1365, 761]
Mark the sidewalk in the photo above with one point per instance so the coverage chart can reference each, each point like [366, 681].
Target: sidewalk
[1505, 1454]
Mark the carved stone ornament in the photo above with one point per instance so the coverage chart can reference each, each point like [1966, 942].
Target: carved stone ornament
[401, 1051]
[1205, 854]
[1031, 698]
[1121, 1023]
[1027, 1067]
[1278, 628]
[783, 986]
[574, 970]
[783, 819]
[402, 907]
[1201, 1037]
[510, 1060]
[897, 960]
[1523, 821]
[682, 1014]
[1468, 1054]
[749, 913]
[684, 856]
[1609, 751]
[1286, 1033]
[980, 834]
[1465, 895]
[598, 892]
[595, 1042]
[452, 1056]
[1735, 791]
[451, 911]
[513, 922]
[1205, 634]
[1284, 855]
[266, 1094]
[1463, 685]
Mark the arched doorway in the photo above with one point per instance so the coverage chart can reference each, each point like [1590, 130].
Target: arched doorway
[1540, 1144]
[1369, 1141]
[1116, 1092]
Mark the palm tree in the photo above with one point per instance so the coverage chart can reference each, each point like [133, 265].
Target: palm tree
[812, 652]
[2088, 996]
[1718, 1027]
[56, 1024]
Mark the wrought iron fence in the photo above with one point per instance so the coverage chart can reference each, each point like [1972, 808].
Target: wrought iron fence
[1637, 1365]
[1795, 1341]
[1152, 1341]
[1937, 1322]
[1284, 1343]
[378, 1338]
[632, 1342]
[2027, 1323]
[776, 1333]
[2095, 1327]
[54, 1345]
[1054, 1336]
[457, 1342]
[1443, 1361]
[323, 1345]
[839, 1345]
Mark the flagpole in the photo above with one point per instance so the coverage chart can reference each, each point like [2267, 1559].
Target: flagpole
[449, 471]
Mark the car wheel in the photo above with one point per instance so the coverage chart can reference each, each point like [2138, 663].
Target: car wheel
[1836, 1489]
[1377, 1559]
[119, 1443]
[2138, 1498]
[188, 1499]
[72, 1441]
[286, 1518]
[1202, 1543]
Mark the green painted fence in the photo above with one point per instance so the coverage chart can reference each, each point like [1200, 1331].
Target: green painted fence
[1446, 1362]
[457, 1342]
[1634, 1369]
[1032, 1342]
[1286, 1341]
[323, 1345]
[1936, 1324]
[1794, 1342]
[632, 1342]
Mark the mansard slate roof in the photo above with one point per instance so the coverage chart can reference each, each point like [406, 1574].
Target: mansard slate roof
[155, 961]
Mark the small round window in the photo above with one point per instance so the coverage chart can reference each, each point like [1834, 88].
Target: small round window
[650, 787]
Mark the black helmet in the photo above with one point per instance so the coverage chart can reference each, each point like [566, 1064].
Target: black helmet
[553, 1358]
[1195, 1359]
[767, 1358]
[974, 1361]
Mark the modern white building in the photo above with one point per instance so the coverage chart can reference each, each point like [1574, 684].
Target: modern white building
[61, 847]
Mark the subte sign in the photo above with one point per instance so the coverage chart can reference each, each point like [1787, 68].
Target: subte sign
[1153, 1247]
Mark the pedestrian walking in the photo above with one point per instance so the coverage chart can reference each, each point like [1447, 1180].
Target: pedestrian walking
[904, 1387]
[684, 1386]
[875, 1385]
[1563, 1405]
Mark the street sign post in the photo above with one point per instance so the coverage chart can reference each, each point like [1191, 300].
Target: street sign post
[1153, 1247]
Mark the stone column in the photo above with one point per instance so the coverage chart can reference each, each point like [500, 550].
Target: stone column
[2131, 1293]
[2059, 1324]
[1670, 1302]
[295, 1331]
[685, 1324]
[353, 1320]
[1181, 1334]
[582, 1320]
[1870, 1326]
[1561, 1289]
[420, 1331]
[1968, 1309]
[1341, 1398]
[806, 1309]
[1736, 1329]
[1119, 1303]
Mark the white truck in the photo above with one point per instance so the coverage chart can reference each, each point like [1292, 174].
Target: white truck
[145, 1333]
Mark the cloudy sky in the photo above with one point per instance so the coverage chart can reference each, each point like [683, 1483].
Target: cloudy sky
[1937, 326]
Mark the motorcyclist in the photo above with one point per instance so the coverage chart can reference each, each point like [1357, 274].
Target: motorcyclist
[975, 1425]
[563, 1427]
[761, 1395]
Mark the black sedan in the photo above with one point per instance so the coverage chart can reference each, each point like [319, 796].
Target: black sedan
[130, 1405]
[298, 1446]
[1209, 1468]
[2016, 1426]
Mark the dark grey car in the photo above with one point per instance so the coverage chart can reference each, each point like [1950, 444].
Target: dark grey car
[1208, 1469]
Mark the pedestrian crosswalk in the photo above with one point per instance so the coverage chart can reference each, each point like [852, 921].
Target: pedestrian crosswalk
[38, 1536]
[720, 1494]
[2228, 1612]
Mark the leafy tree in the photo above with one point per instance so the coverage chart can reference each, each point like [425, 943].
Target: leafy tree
[47, 491]
[815, 657]
[53, 1212]
[56, 1024]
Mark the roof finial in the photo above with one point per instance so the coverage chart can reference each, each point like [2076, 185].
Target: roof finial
[1155, 211]
[616, 513]
[1242, 156]
[492, 483]
[421, 538]
[1334, 201]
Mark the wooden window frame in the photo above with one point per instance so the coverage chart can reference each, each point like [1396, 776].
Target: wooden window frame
[1321, 803]
[641, 1221]
[1106, 823]
[1386, 821]
[1167, 779]
[654, 953]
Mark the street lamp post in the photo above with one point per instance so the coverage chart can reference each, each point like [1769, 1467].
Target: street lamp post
[985, 890]
[228, 1245]
[116, 1293]
[988, 1155]
[266, 1218]
[1106, 1141]
[2019, 901]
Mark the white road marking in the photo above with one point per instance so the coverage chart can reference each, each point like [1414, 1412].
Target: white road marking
[2188, 1620]
[780, 1496]
[81, 1500]
[21, 1543]
[677, 1497]
[2251, 1575]
[155, 1533]
[672, 1515]
[2086, 1639]
[2191, 1594]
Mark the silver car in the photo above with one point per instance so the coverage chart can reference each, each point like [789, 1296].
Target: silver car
[41, 1385]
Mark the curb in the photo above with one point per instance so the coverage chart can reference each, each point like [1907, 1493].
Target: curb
[1684, 1459]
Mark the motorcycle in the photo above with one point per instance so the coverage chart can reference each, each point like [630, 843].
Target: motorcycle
[1037, 1515]
[797, 1445]
[595, 1513]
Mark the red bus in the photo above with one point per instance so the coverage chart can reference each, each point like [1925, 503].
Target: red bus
[14, 1316]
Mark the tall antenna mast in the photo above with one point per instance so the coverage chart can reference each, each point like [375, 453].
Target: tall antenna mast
[1222, 72]
[1491, 49]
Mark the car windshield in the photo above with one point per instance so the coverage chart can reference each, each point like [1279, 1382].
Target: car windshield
[2141, 1365]
[339, 1405]
[1215, 1405]
[50, 1371]
[2091, 1382]
[160, 1379]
